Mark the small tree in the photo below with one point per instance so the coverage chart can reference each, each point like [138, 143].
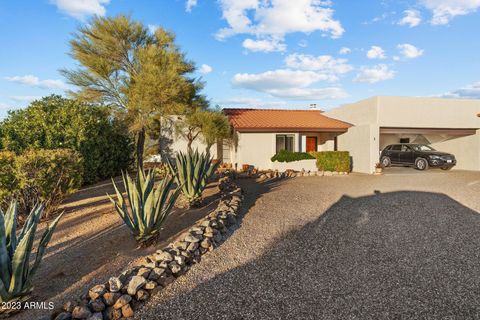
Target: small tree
[122, 64]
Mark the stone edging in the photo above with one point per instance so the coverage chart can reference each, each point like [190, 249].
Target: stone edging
[293, 174]
[121, 295]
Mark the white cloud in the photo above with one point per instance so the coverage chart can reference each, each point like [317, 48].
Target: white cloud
[275, 18]
[376, 52]
[471, 91]
[445, 10]
[264, 45]
[190, 4]
[303, 43]
[374, 74]
[326, 65]
[253, 102]
[24, 98]
[33, 81]
[412, 18]
[328, 93]
[80, 9]
[345, 50]
[410, 51]
[205, 69]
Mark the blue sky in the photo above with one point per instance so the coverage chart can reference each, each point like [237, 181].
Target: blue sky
[265, 53]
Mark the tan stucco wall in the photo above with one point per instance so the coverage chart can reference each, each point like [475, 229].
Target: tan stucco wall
[466, 151]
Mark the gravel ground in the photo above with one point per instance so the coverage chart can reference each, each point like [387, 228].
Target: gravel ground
[396, 246]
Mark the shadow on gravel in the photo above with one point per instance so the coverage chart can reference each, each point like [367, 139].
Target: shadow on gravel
[385, 256]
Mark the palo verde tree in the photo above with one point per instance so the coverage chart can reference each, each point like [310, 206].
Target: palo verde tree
[142, 74]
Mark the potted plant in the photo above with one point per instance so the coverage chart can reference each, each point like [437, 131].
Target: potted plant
[378, 168]
[245, 167]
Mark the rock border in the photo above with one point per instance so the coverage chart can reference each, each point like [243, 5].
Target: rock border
[123, 294]
[294, 174]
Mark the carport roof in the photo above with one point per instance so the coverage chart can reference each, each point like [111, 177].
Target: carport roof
[268, 120]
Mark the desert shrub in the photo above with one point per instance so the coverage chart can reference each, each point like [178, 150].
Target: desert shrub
[8, 179]
[333, 160]
[55, 122]
[39, 176]
[16, 249]
[148, 207]
[289, 156]
[192, 170]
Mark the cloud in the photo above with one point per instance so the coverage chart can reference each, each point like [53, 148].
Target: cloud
[410, 51]
[276, 18]
[80, 9]
[445, 10]
[190, 4]
[253, 102]
[289, 84]
[326, 65]
[374, 74]
[205, 69]
[303, 43]
[471, 91]
[412, 18]
[24, 98]
[376, 52]
[152, 28]
[33, 81]
[264, 45]
[345, 50]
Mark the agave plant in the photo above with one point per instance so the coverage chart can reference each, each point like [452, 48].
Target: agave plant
[149, 206]
[192, 171]
[16, 272]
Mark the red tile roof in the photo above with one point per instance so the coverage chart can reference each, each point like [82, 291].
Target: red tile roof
[283, 119]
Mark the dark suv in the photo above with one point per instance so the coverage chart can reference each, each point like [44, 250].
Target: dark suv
[418, 155]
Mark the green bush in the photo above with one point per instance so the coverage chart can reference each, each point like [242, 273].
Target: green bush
[17, 264]
[40, 176]
[55, 122]
[333, 161]
[289, 156]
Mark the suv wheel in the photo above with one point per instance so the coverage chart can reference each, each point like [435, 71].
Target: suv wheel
[421, 164]
[386, 161]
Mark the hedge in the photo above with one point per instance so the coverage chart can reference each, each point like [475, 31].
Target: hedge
[289, 156]
[40, 176]
[333, 161]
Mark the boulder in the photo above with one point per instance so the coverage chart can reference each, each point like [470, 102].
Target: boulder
[96, 316]
[114, 284]
[163, 256]
[69, 306]
[112, 314]
[81, 312]
[123, 300]
[143, 272]
[127, 311]
[141, 295]
[192, 238]
[135, 284]
[156, 273]
[174, 267]
[97, 305]
[97, 291]
[111, 297]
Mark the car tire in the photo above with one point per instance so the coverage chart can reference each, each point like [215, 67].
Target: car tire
[446, 168]
[386, 162]
[421, 164]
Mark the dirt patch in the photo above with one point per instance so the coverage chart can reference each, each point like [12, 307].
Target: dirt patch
[91, 244]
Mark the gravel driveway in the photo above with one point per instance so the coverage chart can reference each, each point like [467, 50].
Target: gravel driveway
[345, 247]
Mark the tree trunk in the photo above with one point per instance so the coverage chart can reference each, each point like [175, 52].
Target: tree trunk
[189, 146]
[140, 148]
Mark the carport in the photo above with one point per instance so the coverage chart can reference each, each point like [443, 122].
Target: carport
[449, 125]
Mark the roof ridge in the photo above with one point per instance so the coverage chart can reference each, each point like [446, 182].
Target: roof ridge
[265, 109]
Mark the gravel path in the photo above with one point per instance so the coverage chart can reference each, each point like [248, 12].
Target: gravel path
[345, 247]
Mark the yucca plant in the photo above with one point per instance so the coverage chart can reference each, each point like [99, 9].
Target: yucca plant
[148, 207]
[192, 171]
[16, 272]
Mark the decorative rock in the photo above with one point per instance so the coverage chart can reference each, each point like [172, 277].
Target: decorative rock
[69, 306]
[206, 243]
[156, 273]
[123, 300]
[96, 316]
[231, 219]
[111, 297]
[81, 312]
[163, 256]
[217, 238]
[150, 265]
[97, 305]
[114, 284]
[205, 223]
[180, 260]
[163, 265]
[174, 267]
[192, 238]
[141, 295]
[165, 280]
[182, 245]
[150, 285]
[63, 316]
[135, 283]
[327, 173]
[127, 311]
[143, 272]
[96, 291]
[192, 246]
[112, 314]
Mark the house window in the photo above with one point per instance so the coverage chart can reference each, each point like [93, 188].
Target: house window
[285, 142]
[404, 140]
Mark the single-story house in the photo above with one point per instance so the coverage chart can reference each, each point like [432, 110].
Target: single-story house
[449, 125]
[363, 128]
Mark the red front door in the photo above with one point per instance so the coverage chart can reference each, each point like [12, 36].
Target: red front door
[311, 144]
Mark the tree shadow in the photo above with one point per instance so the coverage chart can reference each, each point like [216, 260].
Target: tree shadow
[388, 255]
